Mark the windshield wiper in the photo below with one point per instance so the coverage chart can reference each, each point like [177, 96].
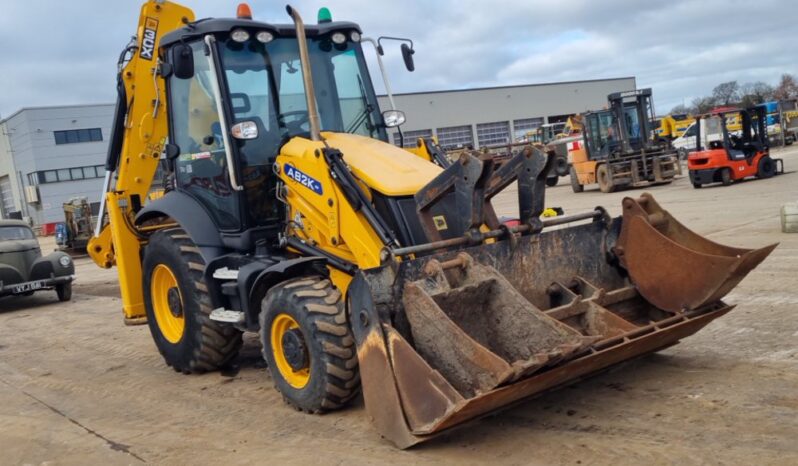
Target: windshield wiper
[365, 115]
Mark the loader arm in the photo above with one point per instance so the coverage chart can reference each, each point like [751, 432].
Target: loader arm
[138, 136]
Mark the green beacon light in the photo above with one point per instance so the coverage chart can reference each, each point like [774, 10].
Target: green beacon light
[324, 15]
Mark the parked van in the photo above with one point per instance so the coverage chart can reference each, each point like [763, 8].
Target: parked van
[710, 131]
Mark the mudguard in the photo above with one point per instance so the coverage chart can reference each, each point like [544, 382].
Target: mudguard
[187, 212]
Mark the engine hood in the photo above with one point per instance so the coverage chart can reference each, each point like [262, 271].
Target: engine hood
[18, 245]
[384, 167]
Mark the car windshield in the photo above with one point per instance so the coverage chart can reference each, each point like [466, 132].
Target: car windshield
[15, 233]
[265, 82]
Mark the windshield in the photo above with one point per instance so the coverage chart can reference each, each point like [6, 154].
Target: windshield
[601, 133]
[15, 233]
[265, 83]
[632, 121]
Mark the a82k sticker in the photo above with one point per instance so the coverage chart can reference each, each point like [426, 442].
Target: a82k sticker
[303, 179]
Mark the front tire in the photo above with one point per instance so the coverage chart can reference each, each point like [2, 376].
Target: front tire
[766, 168]
[64, 291]
[308, 344]
[575, 186]
[551, 181]
[178, 306]
[605, 179]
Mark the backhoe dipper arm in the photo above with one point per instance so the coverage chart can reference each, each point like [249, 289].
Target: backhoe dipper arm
[139, 133]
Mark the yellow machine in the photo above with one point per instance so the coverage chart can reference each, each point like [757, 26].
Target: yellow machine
[287, 213]
[617, 149]
[674, 125]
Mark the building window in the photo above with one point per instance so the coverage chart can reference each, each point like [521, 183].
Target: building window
[72, 136]
[455, 137]
[66, 174]
[412, 136]
[523, 126]
[491, 134]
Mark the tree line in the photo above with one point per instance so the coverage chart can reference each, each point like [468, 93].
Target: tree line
[745, 95]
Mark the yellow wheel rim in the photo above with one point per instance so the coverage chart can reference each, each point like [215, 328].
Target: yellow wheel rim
[171, 320]
[281, 324]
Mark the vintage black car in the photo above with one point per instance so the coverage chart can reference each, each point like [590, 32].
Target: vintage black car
[23, 270]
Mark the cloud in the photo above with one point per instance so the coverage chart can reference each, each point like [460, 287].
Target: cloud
[65, 52]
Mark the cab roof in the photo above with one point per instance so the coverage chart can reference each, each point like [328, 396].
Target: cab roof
[205, 26]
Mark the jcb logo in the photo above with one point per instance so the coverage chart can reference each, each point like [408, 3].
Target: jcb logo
[148, 41]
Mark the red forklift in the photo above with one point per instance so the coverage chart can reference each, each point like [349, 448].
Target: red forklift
[726, 153]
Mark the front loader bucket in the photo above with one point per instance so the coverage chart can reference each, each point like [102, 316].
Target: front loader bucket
[457, 334]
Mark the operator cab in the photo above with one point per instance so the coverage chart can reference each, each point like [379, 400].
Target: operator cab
[235, 88]
[625, 127]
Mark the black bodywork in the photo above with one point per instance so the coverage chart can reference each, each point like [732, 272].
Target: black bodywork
[23, 269]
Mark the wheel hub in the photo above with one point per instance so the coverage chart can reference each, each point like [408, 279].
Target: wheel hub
[173, 299]
[294, 349]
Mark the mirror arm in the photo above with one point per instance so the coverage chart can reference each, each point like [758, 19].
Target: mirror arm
[384, 73]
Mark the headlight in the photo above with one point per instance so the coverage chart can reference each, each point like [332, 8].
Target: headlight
[264, 37]
[239, 35]
[355, 36]
[65, 261]
[339, 38]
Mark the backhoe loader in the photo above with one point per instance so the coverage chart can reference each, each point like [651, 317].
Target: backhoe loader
[362, 265]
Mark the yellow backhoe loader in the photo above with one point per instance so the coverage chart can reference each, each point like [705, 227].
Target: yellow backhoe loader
[287, 212]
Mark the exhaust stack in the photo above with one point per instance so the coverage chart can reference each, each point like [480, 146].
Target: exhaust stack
[307, 77]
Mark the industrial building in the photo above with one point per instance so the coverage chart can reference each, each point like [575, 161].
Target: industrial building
[51, 154]
[498, 115]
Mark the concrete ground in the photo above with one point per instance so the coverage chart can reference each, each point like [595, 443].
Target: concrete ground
[79, 387]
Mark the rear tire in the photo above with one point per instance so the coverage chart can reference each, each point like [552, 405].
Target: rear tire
[308, 344]
[604, 179]
[575, 186]
[697, 185]
[725, 176]
[64, 292]
[766, 168]
[178, 306]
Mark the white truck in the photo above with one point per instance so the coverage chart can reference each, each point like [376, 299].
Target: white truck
[710, 131]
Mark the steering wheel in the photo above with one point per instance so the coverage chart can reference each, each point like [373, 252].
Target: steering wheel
[296, 126]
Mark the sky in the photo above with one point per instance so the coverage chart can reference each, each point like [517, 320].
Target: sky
[64, 52]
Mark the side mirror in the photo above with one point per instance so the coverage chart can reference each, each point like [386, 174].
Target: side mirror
[171, 151]
[183, 61]
[407, 55]
[393, 118]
